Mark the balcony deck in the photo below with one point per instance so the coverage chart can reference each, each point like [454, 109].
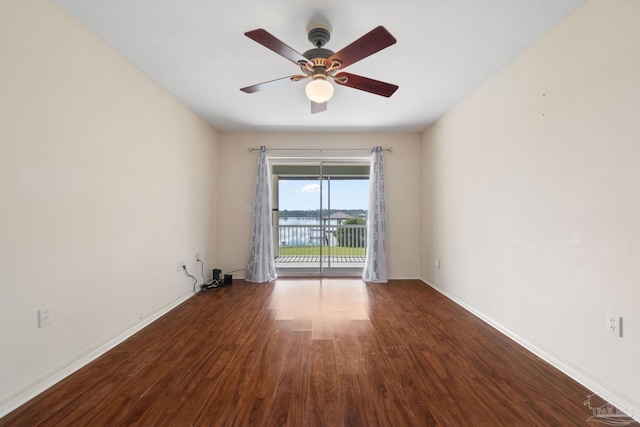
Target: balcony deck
[347, 266]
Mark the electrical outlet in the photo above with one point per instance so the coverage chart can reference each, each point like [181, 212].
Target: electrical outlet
[437, 262]
[44, 317]
[198, 256]
[614, 325]
[179, 266]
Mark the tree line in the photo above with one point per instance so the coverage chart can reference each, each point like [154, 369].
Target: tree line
[315, 213]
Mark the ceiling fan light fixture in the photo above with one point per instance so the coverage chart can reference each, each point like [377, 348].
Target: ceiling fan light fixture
[319, 89]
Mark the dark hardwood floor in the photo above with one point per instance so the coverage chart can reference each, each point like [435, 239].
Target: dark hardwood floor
[314, 352]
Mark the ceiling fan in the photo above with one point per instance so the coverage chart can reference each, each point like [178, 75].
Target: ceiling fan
[323, 65]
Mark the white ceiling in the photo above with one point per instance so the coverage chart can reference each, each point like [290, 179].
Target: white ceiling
[197, 51]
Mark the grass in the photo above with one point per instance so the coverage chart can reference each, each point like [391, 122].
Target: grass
[315, 250]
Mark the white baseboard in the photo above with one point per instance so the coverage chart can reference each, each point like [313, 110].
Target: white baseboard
[404, 277]
[615, 397]
[23, 396]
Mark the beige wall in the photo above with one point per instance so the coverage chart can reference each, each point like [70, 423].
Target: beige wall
[106, 182]
[531, 197]
[527, 191]
[402, 169]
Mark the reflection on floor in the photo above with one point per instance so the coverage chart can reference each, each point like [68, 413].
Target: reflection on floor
[319, 305]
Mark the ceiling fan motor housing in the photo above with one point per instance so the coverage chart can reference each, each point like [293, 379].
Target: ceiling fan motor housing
[319, 35]
[318, 52]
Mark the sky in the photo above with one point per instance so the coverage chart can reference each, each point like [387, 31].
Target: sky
[305, 194]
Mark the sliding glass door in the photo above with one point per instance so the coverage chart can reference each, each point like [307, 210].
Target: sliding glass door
[320, 215]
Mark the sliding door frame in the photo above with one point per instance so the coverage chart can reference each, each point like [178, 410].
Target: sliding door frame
[323, 267]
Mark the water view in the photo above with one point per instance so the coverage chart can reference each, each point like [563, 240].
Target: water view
[339, 223]
[309, 231]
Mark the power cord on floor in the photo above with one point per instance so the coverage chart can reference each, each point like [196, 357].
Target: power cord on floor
[214, 283]
[205, 285]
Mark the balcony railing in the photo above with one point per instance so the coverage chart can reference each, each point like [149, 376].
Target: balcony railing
[336, 243]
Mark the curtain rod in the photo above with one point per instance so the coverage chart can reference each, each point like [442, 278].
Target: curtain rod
[390, 149]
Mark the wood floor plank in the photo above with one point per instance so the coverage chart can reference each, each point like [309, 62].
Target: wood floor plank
[296, 377]
[325, 406]
[325, 352]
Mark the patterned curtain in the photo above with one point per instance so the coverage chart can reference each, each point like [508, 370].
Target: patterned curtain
[375, 263]
[261, 267]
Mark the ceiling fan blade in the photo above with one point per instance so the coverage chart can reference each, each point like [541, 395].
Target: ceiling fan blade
[372, 42]
[318, 107]
[272, 83]
[366, 84]
[269, 41]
